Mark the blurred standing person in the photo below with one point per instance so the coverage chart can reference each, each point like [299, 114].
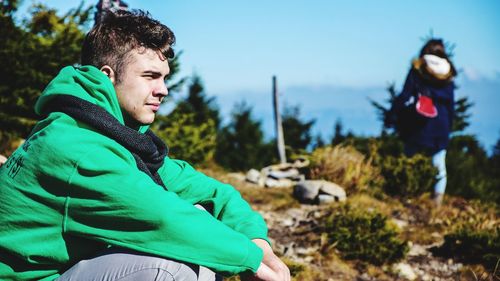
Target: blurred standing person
[425, 108]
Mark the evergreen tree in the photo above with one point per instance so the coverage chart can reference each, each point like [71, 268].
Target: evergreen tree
[32, 53]
[197, 103]
[8, 7]
[338, 135]
[461, 115]
[496, 150]
[297, 133]
[469, 170]
[318, 142]
[190, 130]
[384, 113]
[187, 140]
[240, 144]
[174, 85]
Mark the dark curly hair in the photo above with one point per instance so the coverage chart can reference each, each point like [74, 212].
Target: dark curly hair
[110, 41]
[435, 46]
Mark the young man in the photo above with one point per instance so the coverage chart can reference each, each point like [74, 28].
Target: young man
[91, 194]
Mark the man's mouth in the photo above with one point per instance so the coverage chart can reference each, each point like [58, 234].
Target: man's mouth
[154, 106]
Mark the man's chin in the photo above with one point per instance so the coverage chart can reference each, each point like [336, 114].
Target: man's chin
[136, 124]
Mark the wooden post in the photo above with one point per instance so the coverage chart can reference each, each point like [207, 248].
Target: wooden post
[280, 140]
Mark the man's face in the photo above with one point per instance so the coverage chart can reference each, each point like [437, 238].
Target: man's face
[141, 87]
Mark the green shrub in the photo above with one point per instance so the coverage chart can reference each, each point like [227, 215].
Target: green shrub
[471, 174]
[186, 140]
[472, 245]
[408, 177]
[364, 235]
[343, 165]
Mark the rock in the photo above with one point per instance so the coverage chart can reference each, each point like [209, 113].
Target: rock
[279, 174]
[287, 222]
[325, 199]
[405, 271]
[400, 223]
[426, 277]
[253, 176]
[309, 259]
[456, 267]
[309, 191]
[270, 182]
[417, 250]
[333, 189]
[306, 191]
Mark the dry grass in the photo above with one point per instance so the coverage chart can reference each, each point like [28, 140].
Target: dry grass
[387, 207]
[457, 211]
[345, 166]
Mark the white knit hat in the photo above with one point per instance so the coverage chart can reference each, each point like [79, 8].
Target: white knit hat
[437, 65]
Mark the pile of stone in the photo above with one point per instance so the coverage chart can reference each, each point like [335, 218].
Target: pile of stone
[288, 175]
[279, 175]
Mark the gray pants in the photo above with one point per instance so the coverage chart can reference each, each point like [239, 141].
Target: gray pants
[126, 265]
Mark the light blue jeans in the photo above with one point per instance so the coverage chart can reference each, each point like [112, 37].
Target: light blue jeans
[126, 265]
[117, 264]
[438, 161]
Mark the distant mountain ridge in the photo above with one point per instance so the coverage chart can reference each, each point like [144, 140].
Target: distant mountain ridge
[328, 103]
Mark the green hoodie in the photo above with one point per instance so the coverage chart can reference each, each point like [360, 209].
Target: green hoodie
[70, 192]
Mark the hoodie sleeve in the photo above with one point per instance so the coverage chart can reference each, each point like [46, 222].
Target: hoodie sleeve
[112, 202]
[227, 204]
[406, 94]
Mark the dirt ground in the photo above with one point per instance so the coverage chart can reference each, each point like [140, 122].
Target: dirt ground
[296, 235]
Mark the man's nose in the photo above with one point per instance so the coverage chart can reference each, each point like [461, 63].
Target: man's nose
[161, 90]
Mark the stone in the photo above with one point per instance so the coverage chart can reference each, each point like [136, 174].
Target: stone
[325, 199]
[253, 176]
[287, 222]
[334, 190]
[270, 182]
[405, 271]
[417, 250]
[426, 277]
[279, 174]
[400, 223]
[308, 191]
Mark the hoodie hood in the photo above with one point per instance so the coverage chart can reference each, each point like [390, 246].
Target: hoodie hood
[87, 83]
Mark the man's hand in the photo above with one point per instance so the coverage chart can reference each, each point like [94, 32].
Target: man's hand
[3, 159]
[271, 268]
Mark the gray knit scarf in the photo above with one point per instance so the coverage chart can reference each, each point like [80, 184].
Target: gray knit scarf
[148, 150]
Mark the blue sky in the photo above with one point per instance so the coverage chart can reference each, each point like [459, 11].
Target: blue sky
[330, 56]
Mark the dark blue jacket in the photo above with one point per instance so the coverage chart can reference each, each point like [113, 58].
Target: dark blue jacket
[430, 133]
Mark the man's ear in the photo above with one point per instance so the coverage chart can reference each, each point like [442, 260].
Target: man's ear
[108, 71]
